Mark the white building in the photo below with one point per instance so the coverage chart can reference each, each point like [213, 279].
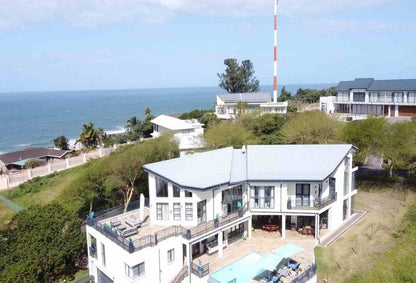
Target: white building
[188, 133]
[226, 106]
[361, 97]
[200, 203]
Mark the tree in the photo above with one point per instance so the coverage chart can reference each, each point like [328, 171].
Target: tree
[241, 108]
[399, 148]
[41, 244]
[238, 78]
[227, 134]
[311, 127]
[140, 129]
[89, 136]
[284, 95]
[127, 166]
[61, 142]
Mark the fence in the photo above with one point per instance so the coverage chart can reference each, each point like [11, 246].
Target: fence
[306, 275]
[12, 180]
[200, 270]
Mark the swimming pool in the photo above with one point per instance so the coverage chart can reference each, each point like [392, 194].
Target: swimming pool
[242, 270]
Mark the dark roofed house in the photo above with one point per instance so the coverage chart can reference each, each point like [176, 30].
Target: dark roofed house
[361, 97]
[17, 159]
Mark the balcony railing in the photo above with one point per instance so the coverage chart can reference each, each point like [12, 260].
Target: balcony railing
[200, 270]
[317, 204]
[172, 231]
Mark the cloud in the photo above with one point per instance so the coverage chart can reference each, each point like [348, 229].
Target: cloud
[96, 13]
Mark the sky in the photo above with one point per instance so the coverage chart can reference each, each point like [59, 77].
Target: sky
[122, 44]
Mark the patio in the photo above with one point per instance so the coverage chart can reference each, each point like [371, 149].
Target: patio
[261, 242]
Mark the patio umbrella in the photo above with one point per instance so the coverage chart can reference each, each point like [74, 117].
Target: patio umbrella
[288, 250]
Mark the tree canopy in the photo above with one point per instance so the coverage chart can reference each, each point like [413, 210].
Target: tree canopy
[42, 245]
[238, 78]
[61, 142]
[227, 134]
[137, 129]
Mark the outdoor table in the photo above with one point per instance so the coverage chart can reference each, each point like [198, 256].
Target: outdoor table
[121, 227]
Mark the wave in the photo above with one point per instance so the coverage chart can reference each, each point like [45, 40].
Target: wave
[22, 145]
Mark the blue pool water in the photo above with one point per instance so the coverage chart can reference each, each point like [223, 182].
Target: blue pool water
[242, 270]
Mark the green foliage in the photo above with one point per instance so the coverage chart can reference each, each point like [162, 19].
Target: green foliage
[292, 109]
[32, 163]
[203, 116]
[227, 134]
[311, 127]
[397, 264]
[91, 137]
[137, 129]
[313, 95]
[284, 95]
[209, 119]
[194, 114]
[238, 78]
[43, 244]
[61, 142]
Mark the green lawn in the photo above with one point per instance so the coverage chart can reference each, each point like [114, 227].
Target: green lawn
[41, 191]
[372, 249]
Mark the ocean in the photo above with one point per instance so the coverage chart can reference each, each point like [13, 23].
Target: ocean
[36, 118]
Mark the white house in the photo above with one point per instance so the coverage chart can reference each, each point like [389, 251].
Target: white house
[361, 97]
[226, 106]
[188, 133]
[200, 203]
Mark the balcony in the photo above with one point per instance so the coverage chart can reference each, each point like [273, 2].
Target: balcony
[318, 204]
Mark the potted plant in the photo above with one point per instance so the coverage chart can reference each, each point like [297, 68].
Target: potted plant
[289, 202]
[217, 221]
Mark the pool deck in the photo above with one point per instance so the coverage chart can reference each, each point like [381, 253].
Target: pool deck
[261, 242]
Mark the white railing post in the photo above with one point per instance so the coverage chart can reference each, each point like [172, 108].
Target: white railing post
[49, 168]
[67, 162]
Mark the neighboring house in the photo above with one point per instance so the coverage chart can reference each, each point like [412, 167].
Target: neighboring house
[188, 133]
[17, 159]
[226, 106]
[199, 203]
[361, 97]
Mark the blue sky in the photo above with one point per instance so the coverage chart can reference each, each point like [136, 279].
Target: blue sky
[100, 44]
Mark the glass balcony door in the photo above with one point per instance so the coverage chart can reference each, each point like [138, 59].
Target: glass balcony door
[202, 211]
[303, 197]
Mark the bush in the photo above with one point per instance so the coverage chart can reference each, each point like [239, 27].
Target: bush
[32, 163]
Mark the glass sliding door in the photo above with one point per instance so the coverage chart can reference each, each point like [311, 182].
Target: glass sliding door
[202, 211]
[231, 199]
[303, 194]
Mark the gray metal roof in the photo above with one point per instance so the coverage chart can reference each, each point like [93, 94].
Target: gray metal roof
[249, 97]
[378, 85]
[32, 152]
[357, 83]
[392, 85]
[258, 163]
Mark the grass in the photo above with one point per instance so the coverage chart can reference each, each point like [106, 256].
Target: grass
[40, 191]
[358, 251]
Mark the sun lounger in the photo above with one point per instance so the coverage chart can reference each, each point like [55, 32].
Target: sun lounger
[133, 222]
[128, 232]
[293, 264]
[115, 223]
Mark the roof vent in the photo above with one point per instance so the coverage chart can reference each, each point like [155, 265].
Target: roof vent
[243, 149]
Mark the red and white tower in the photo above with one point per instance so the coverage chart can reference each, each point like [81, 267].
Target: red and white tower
[276, 2]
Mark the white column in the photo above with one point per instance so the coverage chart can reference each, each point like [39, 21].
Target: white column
[49, 168]
[220, 245]
[396, 110]
[249, 228]
[283, 226]
[189, 259]
[317, 227]
[388, 112]
[67, 162]
[405, 97]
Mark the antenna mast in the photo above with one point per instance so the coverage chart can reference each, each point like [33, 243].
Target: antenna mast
[276, 2]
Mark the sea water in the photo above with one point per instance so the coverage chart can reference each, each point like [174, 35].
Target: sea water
[36, 118]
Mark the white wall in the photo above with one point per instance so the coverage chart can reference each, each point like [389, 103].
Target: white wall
[153, 258]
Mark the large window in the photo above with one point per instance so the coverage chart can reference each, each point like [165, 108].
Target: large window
[303, 194]
[202, 211]
[161, 188]
[346, 175]
[171, 255]
[262, 197]
[411, 97]
[359, 96]
[176, 191]
[231, 199]
[134, 271]
[343, 96]
[389, 97]
[188, 194]
[93, 247]
[398, 97]
[176, 211]
[162, 211]
[375, 97]
[189, 212]
[102, 254]
[342, 108]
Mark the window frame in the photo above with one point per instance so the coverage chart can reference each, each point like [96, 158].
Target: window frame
[171, 255]
[129, 270]
[164, 191]
[176, 208]
[189, 208]
[160, 210]
[303, 198]
[176, 191]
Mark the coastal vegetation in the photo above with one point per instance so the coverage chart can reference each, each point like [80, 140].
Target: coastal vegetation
[381, 247]
[61, 142]
[238, 78]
